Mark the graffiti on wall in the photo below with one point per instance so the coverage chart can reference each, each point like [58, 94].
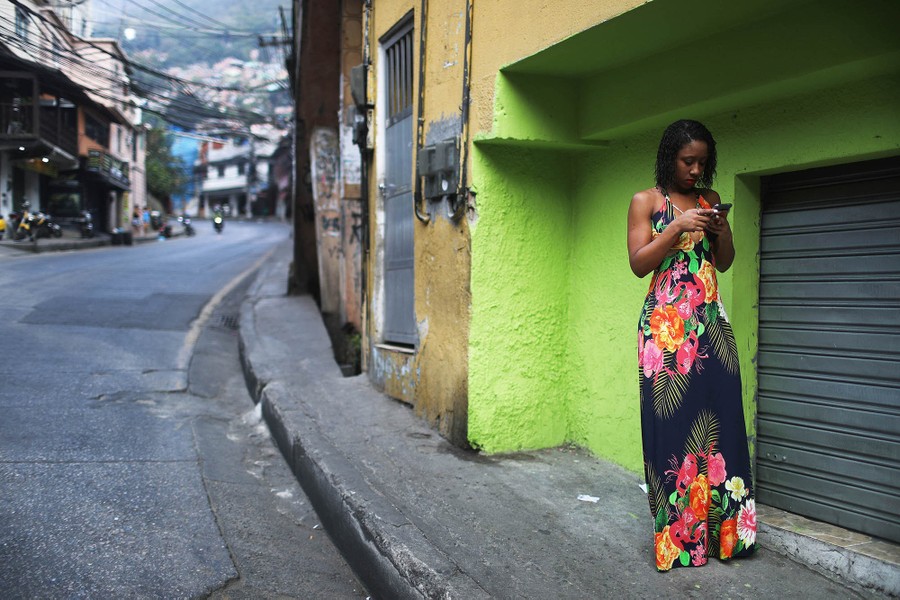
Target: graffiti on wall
[330, 224]
[356, 228]
[324, 173]
[350, 159]
[323, 149]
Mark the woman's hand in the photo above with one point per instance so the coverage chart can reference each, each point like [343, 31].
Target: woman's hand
[694, 220]
[718, 224]
[719, 232]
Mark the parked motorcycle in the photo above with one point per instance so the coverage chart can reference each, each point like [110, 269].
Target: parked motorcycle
[23, 221]
[34, 225]
[12, 222]
[85, 224]
[42, 225]
[186, 222]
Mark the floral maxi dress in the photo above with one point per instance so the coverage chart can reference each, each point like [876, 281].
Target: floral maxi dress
[696, 460]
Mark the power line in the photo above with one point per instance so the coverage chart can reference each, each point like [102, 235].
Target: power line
[185, 21]
[167, 96]
[208, 18]
[173, 102]
[125, 59]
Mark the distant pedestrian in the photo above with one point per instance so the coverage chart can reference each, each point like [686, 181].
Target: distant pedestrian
[696, 459]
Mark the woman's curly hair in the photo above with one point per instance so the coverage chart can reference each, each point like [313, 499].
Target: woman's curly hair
[674, 138]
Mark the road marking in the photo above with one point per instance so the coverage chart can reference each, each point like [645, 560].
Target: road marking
[190, 340]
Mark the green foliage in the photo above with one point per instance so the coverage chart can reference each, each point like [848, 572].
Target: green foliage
[165, 172]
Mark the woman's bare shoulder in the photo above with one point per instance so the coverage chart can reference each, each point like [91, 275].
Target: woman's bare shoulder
[646, 199]
[711, 196]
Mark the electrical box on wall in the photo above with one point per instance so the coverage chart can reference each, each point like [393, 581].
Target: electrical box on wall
[438, 164]
[358, 85]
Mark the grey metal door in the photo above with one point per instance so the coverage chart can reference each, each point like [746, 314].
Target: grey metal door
[829, 346]
[399, 292]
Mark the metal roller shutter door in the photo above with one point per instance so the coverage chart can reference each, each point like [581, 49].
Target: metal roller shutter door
[829, 346]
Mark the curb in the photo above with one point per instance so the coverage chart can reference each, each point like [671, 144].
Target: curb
[55, 246]
[852, 569]
[389, 554]
[98, 241]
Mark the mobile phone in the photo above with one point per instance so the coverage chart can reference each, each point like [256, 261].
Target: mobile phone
[722, 207]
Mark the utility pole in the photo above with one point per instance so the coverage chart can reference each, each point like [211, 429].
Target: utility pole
[251, 176]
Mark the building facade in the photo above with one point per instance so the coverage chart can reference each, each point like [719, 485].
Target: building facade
[329, 195]
[501, 144]
[236, 174]
[69, 140]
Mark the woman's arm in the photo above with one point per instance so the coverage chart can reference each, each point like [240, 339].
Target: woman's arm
[722, 239]
[646, 253]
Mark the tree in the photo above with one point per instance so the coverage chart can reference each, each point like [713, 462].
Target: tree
[166, 173]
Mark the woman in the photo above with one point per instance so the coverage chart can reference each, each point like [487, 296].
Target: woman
[696, 461]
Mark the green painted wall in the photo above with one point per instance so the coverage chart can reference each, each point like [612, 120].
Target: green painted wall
[798, 132]
[555, 305]
[553, 342]
[518, 360]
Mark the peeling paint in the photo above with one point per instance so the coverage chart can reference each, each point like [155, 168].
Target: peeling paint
[391, 372]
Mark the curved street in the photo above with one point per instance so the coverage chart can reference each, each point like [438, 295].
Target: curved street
[132, 460]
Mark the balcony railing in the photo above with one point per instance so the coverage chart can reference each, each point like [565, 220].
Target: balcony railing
[55, 125]
[58, 126]
[16, 121]
[112, 169]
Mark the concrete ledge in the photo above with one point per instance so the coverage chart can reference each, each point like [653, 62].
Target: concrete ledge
[842, 564]
[365, 548]
[387, 551]
[55, 245]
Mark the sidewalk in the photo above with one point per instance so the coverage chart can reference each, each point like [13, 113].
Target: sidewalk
[419, 518]
[70, 240]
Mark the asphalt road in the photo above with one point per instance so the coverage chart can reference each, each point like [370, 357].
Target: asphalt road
[132, 461]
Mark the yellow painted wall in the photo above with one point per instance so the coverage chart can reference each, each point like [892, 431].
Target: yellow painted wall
[503, 32]
[438, 376]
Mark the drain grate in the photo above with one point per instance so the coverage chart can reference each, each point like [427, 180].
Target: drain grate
[228, 321]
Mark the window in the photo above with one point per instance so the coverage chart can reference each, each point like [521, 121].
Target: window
[17, 105]
[22, 24]
[241, 168]
[96, 130]
[400, 77]
[221, 170]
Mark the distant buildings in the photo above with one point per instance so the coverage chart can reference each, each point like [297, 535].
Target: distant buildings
[70, 138]
[237, 173]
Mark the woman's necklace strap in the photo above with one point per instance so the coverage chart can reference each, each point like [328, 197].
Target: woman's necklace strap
[675, 206]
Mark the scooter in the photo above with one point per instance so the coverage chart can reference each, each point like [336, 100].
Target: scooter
[186, 222]
[218, 223]
[23, 221]
[85, 224]
[42, 225]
